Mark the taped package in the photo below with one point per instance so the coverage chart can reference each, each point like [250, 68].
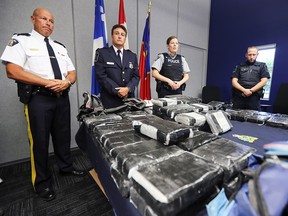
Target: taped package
[231, 156]
[199, 138]
[191, 119]
[218, 122]
[167, 132]
[173, 110]
[165, 101]
[278, 120]
[172, 185]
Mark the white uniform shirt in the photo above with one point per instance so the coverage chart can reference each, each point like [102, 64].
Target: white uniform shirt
[160, 60]
[30, 52]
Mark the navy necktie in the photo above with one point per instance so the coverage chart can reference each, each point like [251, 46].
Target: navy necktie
[53, 60]
[119, 56]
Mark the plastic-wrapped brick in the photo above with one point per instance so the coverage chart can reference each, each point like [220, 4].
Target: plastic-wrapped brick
[121, 181]
[166, 132]
[165, 101]
[191, 119]
[232, 156]
[173, 110]
[218, 122]
[171, 185]
[140, 154]
[92, 121]
[199, 138]
[278, 120]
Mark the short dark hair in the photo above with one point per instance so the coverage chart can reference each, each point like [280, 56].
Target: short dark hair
[170, 38]
[118, 26]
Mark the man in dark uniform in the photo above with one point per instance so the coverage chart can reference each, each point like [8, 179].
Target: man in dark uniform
[116, 70]
[43, 79]
[248, 80]
[170, 70]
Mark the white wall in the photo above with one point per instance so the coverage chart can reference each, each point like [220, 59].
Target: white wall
[74, 23]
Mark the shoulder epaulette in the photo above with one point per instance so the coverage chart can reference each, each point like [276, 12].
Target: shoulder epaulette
[22, 34]
[59, 43]
[259, 63]
[102, 48]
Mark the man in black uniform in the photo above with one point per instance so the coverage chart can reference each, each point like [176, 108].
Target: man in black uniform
[248, 80]
[44, 73]
[116, 70]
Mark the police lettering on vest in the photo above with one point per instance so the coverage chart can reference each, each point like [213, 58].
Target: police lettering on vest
[172, 67]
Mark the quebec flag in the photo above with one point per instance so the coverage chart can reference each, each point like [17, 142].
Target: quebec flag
[100, 40]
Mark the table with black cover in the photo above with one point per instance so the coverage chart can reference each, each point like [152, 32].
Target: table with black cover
[85, 141]
[122, 206]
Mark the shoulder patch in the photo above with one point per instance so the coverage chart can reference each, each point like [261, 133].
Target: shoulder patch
[22, 34]
[96, 56]
[12, 42]
[59, 43]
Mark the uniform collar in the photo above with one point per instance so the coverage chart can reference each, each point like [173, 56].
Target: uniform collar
[171, 55]
[115, 49]
[38, 35]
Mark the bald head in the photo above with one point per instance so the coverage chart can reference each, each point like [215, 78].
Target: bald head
[43, 21]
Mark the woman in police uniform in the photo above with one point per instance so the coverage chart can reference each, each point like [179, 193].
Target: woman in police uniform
[170, 70]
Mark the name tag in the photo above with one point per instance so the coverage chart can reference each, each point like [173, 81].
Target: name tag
[110, 63]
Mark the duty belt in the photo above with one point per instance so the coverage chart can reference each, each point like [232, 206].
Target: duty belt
[43, 91]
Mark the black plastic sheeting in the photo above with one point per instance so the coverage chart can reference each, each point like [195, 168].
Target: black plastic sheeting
[134, 115]
[199, 138]
[140, 203]
[92, 121]
[165, 101]
[164, 131]
[172, 111]
[121, 181]
[119, 139]
[217, 105]
[135, 156]
[185, 99]
[278, 120]
[202, 107]
[249, 115]
[191, 118]
[111, 127]
[165, 179]
[174, 184]
[231, 156]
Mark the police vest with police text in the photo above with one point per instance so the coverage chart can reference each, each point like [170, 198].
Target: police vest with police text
[172, 67]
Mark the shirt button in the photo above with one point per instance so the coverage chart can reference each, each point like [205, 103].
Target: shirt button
[123, 80]
[123, 72]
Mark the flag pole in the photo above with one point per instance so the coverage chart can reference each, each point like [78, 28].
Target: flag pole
[144, 61]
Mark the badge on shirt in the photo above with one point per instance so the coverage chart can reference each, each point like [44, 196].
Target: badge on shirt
[12, 42]
[130, 65]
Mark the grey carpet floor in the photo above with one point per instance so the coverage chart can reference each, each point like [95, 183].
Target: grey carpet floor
[74, 195]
